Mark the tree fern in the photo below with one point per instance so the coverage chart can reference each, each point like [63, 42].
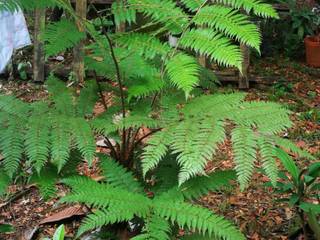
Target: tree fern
[267, 153]
[122, 13]
[257, 7]
[146, 45]
[61, 36]
[200, 186]
[60, 141]
[155, 228]
[231, 23]
[195, 144]
[165, 12]
[193, 217]
[117, 176]
[244, 147]
[11, 145]
[155, 150]
[103, 217]
[37, 142]
[84, 138]
[183, 72]
[213, 45]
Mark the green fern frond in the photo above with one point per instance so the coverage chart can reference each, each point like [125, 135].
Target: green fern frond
[84, 138]
[155, 228]
[87, 99]
[269, 118]
[104, 217]
[11, 145]
[183, 72]
[13, 106]
[214, 106]
[60, 36]
[144, 44]
[231, 23]
[290, 146]
[61, 96]
[162, 11]
[244, 149]
[196, 218]
[123, 14]
[195, 144]
[156, 149]
[5, 180]
[46, 182]
[16, 5]
[266, 150]
[60, 140]
[200, 186]
[103, 196]
[145, 87]
[117, 176]
[193, 5]
[258, 7]
[37, 141]
[214, 45]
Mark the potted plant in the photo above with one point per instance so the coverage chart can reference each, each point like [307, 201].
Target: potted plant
[312, 43]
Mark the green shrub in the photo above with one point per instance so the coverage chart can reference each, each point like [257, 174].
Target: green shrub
[153, 87]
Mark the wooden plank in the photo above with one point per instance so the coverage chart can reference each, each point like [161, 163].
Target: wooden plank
[78, 61]
[38, 53]
[244, 76]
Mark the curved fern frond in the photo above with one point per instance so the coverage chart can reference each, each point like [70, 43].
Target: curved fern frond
[4, 181]
[290, 146]
[244, 149]
[258, 7]
[83, 136]
[157, 147]
[267, 153]
[122, 13]
[193, 5]
[213, 45]
[183, 72]
[100, 218]
[144, 44]
[195, 144]
[117, 176]
[60, 36]
[103, 196]
[200, 186]
[87, 99]
[162, 11]
[61, 96]
[231, 23]
[11, 145]
[196, 218]
[155, 228]
[60, 140]
[37, 141]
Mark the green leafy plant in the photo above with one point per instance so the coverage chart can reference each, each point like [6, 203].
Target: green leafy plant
[59, 234]
[301, 186]
[153, 88]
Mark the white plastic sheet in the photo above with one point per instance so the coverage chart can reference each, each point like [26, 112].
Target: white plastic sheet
[13, 35]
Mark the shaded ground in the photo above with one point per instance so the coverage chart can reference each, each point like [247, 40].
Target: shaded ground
[255, 211]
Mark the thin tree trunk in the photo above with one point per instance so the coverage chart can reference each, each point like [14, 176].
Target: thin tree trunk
[38, 56]
[78, 62]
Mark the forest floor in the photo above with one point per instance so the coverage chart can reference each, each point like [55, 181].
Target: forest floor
[255, 210]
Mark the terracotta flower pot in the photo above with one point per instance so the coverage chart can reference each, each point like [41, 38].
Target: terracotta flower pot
[312, 51]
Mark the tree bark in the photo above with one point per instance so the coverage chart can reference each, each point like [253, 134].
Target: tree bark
[78, 62]
[38, 53]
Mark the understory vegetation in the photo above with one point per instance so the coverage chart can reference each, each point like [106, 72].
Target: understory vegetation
[163, 126]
